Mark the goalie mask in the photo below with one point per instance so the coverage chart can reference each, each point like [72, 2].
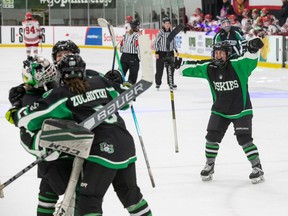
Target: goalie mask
[38, 72]
[64, 45]
[217, 58]
[72, 66]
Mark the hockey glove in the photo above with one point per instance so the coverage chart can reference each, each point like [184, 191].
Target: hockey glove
[127, 84]
[115, 76]
[15, 95]
[10, 114]
[254, 45]
[178, 62]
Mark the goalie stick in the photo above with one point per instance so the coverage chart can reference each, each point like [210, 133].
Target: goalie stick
[105, 24]
[170, 38]
[102, 114]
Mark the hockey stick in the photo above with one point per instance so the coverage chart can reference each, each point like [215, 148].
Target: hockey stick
[143, 45]
[13, 178]
[170, 38]
[103, 113]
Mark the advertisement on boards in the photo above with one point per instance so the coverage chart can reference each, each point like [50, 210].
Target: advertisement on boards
[93, 36]
[14, 34]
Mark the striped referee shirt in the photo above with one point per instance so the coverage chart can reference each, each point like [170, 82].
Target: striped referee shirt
[160, 41]
[130, 43]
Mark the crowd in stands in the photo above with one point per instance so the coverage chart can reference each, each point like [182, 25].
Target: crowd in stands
[253, 22]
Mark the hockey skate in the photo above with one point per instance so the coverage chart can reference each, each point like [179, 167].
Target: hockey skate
[207, 172]
[257, 174]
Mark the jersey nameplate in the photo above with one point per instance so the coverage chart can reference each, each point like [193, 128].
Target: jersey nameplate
[90, 96]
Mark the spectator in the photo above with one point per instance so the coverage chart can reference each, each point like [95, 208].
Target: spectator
[154, 16]
[283, 13]
[234, 21]
[258, 29]
[227, 9]
[265, 12]
[239, 7]
[270, 27]
[255, 14]
[245, 16]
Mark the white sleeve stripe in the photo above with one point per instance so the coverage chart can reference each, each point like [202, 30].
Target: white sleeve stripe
[24, 121]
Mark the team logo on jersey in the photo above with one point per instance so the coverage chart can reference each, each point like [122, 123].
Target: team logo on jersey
[105, 147]
[226, 86]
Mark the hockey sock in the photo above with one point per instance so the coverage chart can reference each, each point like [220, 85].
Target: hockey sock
[140, 209]
[46, 204]
[211, 151]
[252, 153]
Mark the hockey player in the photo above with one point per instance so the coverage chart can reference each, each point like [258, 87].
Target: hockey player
[38, 77]
[130, 52]
[233, 35]
[65, 47]
[112, 157]
[32, 34]
[228, 80]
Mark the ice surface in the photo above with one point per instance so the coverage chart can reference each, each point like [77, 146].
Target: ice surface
[179, 189]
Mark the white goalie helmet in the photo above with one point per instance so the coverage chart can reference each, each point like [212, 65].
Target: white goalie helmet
[38, 71]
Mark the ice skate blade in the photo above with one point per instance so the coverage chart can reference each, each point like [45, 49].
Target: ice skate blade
[258, 180]
[207, 178]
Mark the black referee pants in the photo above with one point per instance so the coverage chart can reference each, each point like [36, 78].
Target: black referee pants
[130, 62]
[160, 64]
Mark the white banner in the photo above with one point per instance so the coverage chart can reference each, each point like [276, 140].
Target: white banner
[14, 34]
[265, 2]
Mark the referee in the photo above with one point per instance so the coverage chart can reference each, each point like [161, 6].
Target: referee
[161, 52]
[130, 50]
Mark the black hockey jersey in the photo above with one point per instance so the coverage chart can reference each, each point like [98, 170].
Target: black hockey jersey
[113, 146]
[228, 85]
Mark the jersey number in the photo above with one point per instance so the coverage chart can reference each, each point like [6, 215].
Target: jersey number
[29, 30]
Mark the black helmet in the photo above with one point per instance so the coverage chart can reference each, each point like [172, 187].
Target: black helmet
[72, 66]
[134, 24]
[64, 45]
[224, 46]
[166, 19]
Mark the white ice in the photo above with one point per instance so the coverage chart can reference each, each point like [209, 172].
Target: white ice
[179, 189]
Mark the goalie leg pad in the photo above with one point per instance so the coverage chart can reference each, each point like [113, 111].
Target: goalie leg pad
[66, 136]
